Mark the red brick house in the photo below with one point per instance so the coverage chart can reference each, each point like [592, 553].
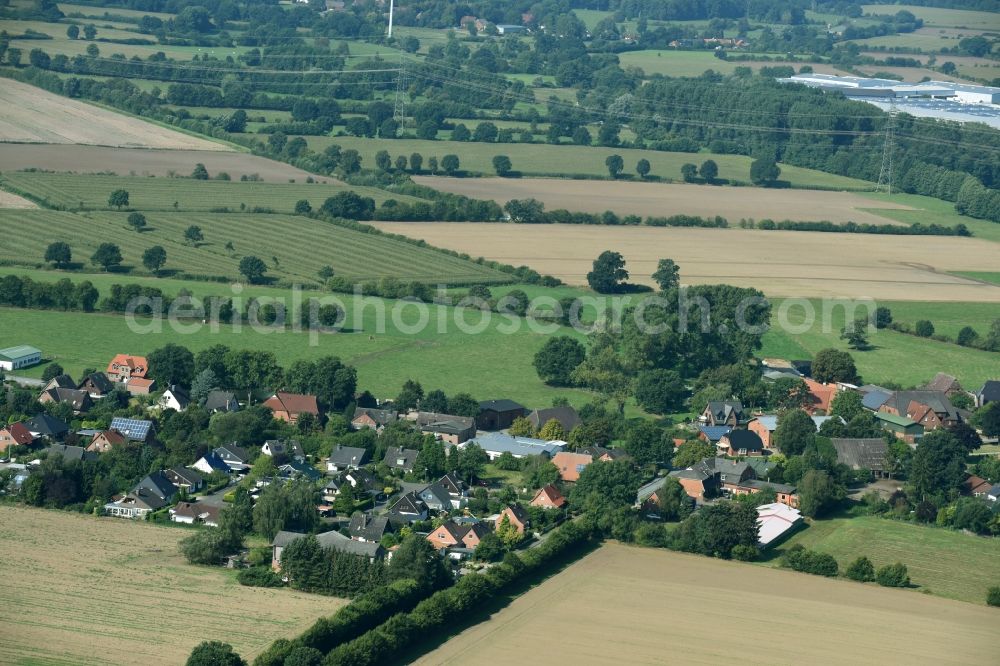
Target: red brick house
[549, 497]
[571, 464]
[741, 443]
[976, 486]
[517, 517]
[453, 535]
[106, 440]
[820, 396]
[289, 406]
[16, 434]
[124, 367]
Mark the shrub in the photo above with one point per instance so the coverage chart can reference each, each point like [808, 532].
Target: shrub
[861, 570]
[801, 559]
[924, 328]
[259, 577]
[893, 575]
[993, 596]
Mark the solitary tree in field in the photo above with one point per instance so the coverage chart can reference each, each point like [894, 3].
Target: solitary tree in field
[193, 235]
[856, 334]
[302, 207]
[58, 253]
[137, 221]
[73, 32]
[709, 171]
[253, 268]
[118, 199]
[689, 172]
[107, 255]
[200, 172]
[615, 165]
[502, 165]
[642, 168]
[450, 164]
[214, 653]
[154, 258]
[608, 273]
[764, 172]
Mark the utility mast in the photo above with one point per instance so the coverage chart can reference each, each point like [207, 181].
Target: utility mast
[885, 173]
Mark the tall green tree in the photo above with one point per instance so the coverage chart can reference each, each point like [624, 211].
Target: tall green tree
[667, 275]
[252, 268]
[608, 273]
[154, 258]
[615, 165]
[171, 364]
[556, 360]
[107, 255]
[118, 199]
[59, 253]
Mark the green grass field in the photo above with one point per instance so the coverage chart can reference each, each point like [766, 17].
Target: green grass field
[993, 278]
[932, 211]
[537, 159]
[941, 562]
[940, 17]
[897, 357]
[89, 192]
[294, 248]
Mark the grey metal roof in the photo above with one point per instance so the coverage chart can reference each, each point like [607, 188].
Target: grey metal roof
[858, 453]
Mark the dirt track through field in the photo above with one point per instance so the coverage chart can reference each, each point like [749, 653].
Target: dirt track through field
[145, 162]
[780, 263]
[665, 199]
[85, 590]
[33, 115]
[627, 605]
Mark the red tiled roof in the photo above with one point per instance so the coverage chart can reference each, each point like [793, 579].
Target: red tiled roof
[19, 433]
[137, 364]
[293, 403]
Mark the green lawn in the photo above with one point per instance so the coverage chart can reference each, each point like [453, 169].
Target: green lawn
[932, 211]
[78, 191]
[941, 562]
[294, 247]
[539, 159]
[905, 359]
[940, 17]
[488, 365]
[671, 62]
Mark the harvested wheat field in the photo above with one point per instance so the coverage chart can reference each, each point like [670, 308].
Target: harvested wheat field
[626, 605]
[33, 115]
[85, 590]
[9, 200]
[146, 162]
[664, 199]
[779, 263]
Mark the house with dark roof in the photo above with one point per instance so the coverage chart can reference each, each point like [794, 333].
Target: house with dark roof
[647, 498]
[59, 381]
[990, 392]
[729, 477]
[236, 457]
[741, 443]
[765, 425]
[565, 415]
[192, 513]
[69, 452]
[376, 419]
[327, 540]
[458, 539]
[80, 401]
[603, 454]
[945, 383]
[295, 469]
[863, 453]
[185, 478]
[97, 385]
[399, 459]
[495, 444]
[873, 400]
[455, 487]
[136, 430]
[175, 398]
[498, 414]
[445, 427]
[343, 458]
[409, 508]
[902, 427]
[221, 401]
[548, 497]
[723, 413]
[289, 407]
[282, 448]
[930, 409]
[212, 462]
[158, 484]
[367, 528]
[436, 498]
[43, 425]
[976, 486]
[712, 434]
[135, 504]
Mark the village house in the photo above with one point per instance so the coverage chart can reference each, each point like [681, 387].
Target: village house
[498, 414]
[548, 497]
[369, 417]
[712, 434]
[570, 464]
[153, 492]
[820, 396]
[723, 413]
[106, 440]
[445, 427]
[15, 434]
[944, 383]
[741, 443]
[289, 407]
[409, 508]
[191, 513]
[212, 462]
[175, 398]
[343, 458]
[713, 476]
[565, 415]
[328, 540]
[140, 386]
[57, 382]
[21, 356]
[68, 452]
[45, 426]
[280, 448]
[517, 517]
[863, 453]
[97, 385]
[136, 430]
[296, 469]
[124, 367]
[458, 540]
[765, 425]
[900, 426]
[367, 528]
[976, 486]
[221, 401]
[399, 459]
[990, 392]
[930, 409]
[234, 456]
[186, 479]
[495, 444]
[647, 498]
[436, 498]
[602, 454]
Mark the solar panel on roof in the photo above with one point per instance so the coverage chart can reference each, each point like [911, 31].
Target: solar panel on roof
[136, 429]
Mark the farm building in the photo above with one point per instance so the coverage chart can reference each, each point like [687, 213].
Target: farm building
[496, 444]
[498, 414]
[21, 356]
[765, 426]
[775, 522]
